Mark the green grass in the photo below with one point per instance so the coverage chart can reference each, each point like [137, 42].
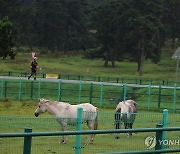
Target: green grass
[16, 115]
[74, 63]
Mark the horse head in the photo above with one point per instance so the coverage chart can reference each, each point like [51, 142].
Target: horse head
[41, 108]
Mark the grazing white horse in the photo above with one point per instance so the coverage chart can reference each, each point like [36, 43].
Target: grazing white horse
[66, 113]
[125, 112]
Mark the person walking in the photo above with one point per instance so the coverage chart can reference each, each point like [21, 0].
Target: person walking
[34, 65]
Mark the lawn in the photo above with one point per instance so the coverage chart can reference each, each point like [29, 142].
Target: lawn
[74, 63]
[16, 115]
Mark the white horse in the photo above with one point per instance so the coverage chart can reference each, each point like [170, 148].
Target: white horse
[66, 113]
[125, 112]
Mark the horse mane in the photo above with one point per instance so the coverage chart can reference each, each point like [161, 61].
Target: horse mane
[50, 102]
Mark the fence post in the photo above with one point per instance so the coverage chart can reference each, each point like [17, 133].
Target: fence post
[117, 80]
[9, 73]
[174, 99]
[59, 90]
[140, 81]
[44, 75]
[91, 93]
[101, 95]
[2, 83]
[27, 141]
[20, 87]
[59, 76]
[159, 97]
[5, 89]
[39, 89]
[78, 145]
[165, 124]
[124, 92]
[80, 90]
[149, 96]
[159, 137]
[99, 79]
[31, 89]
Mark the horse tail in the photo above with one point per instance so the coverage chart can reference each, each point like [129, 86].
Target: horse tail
[96, 120]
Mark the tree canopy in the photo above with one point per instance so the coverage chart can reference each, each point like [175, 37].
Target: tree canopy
[110, 29]
[7, 36]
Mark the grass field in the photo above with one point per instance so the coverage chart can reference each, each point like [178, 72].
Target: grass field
[16, 115]
[74, 63]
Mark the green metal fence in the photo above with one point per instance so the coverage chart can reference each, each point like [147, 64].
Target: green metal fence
[100, 94]
[45, 135]
[27, 149]
[140, 81]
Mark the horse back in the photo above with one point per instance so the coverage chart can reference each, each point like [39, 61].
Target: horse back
[125, 111]
[89, 111]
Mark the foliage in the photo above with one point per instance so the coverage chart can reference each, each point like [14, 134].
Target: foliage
[118, 28]
[137, 30]
[172, 19]
[7, 36]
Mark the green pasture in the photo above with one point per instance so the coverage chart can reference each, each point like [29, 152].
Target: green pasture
[73, 62]
[17, 115]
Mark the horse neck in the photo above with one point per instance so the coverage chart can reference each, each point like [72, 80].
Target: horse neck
[52, 108]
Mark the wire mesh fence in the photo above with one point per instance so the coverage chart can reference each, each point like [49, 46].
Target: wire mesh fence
[99, 94]
[102, 142]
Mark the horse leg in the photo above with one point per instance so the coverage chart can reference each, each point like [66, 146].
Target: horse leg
[130, 126]
[91, 136]
[64, 137]
[117, 123]
[127, 127]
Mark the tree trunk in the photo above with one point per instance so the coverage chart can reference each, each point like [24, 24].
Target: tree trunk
[173, 43]
[66, 41]
[140, 68]
[29, 44]
[141, 56]
[112, 60]
[106, 57]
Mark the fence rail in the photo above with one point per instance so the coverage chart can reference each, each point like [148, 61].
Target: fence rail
[100, 94]
[158, 148]
[164, 121]
[140, 81]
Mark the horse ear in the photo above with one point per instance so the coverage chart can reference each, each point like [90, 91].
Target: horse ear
[47, 100]
[42, 99]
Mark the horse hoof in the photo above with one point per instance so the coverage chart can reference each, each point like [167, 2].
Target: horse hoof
[63, 142]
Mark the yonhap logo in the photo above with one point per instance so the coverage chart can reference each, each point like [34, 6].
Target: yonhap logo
[150, 142]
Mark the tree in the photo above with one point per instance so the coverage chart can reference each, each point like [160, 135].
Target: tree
[130, 27]
[172, 19]
[104, 24]
[7, 38]
[144, 31]
[61, 25]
